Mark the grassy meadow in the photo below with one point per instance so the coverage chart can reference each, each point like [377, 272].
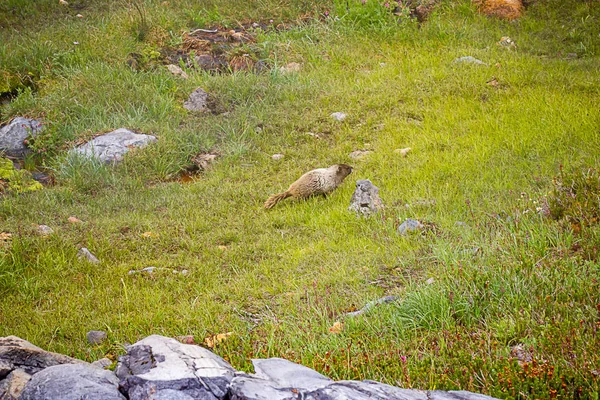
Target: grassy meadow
[513, 309]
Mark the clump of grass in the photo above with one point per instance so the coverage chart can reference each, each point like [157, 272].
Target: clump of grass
[84, 174]
[575, 198]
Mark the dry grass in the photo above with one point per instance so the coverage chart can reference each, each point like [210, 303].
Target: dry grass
[504, 9]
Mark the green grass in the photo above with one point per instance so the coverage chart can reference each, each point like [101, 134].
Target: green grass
[485, 154]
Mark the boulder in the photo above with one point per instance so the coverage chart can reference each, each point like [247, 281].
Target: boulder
[13, 385]
[278, 379]
[20, 354]
[365, 200]
[158, 365]
[73, 382]
[112, 146]
[13, 135]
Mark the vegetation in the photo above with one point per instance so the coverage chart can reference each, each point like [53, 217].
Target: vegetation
[513, 309]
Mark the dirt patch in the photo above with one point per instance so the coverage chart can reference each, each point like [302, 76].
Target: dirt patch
[503, 9]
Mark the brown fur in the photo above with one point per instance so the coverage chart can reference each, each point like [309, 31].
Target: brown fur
[320, 181]
[505, 9]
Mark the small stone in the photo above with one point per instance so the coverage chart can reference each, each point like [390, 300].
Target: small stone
[382, 64]
[79, 16]
[74, 220]
[177, 71]
[102, 363]
[184, 272]
[430, 281]
[63, 2]
[96, 337]
[461, 224]
[84, 253]
[469, 60]
[149, 269]
[277, 156]
[221, 247]
[44, 230]
[403, 152]
[365, 199]
[359, 154]
[339, 116]
[292, 67]
[410, 225]
[186, 339]
[198, 101]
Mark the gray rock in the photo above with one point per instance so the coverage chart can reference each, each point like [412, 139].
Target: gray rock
[468, 60]
[247, 387]
[284, 373]
[73, 382]
[339, 116]
[14, 134]
[457, 395]
[85, 254]
[371, 304]
[359, 154]
[13, 385]
[365, 200]
[158, 364]
[112, 147]
[44, 230]
[198, 101]
[96, 337]
[5, 368]
[410, 225]
[102, 363]
[366, 390]
[21, 354]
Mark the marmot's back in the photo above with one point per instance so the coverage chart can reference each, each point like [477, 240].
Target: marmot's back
[315, 182]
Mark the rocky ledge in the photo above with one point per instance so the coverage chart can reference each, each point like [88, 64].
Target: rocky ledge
[161, 368]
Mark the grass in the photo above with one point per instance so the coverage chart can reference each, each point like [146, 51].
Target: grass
[279, 280]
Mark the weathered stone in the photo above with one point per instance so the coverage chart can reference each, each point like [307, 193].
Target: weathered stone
[13, 385]
[339, 116]
[292, 67]
[365, 200]
[365, 390]
[96, 337]
[5, 368]
[359, 154]
[85, 254]
[44, 230]
[177, 71]
[403, 152]
[157, 364]
[13, 136]
[284, 373]
[73, 382]
[469, 60]
[198, 101]
[102, 363]
[21, 354]
[112, 147]
[277, 156]
[410, 225]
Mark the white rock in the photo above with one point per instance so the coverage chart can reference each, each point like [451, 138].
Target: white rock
[84, 253]
[277, 156]
[177, 71]
[339, 116]
[44, 230]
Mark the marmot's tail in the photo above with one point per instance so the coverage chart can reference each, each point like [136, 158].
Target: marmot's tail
[276, 198]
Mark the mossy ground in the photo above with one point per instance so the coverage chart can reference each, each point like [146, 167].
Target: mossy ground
[486, 154]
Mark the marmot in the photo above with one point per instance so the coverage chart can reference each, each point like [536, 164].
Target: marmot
[318, 181]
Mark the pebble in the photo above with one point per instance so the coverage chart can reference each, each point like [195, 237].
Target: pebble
[277, 156]
[44, 230]
[403, 152]
[74, 220]
[410, 225]
[96, 337]
[84, 253]
[339, 116]
[177, 71]
[359, 154]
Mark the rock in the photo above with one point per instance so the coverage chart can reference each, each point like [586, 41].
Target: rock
[44, 230]
[148, 270]
[403, 152]
[177, 71]
[339, 116]
[292, 67]
[365, 200]
[371, 304]
[85, 254]
[5, 368]
[73, 382]
[204, 160]
[112, 146]
[159, 365]
[208, 62]
[359, 154]
[74, 220]
[13, 136]
[277, 156]
[96, 337]
[410, 225]
[468, 60]
[285, 373]
[198, 101]
[13, 385]
[430, 281]
[20, 354]
[461, 224]
[102, 363]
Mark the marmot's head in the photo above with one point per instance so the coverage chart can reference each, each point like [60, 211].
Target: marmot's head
[343, 170]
